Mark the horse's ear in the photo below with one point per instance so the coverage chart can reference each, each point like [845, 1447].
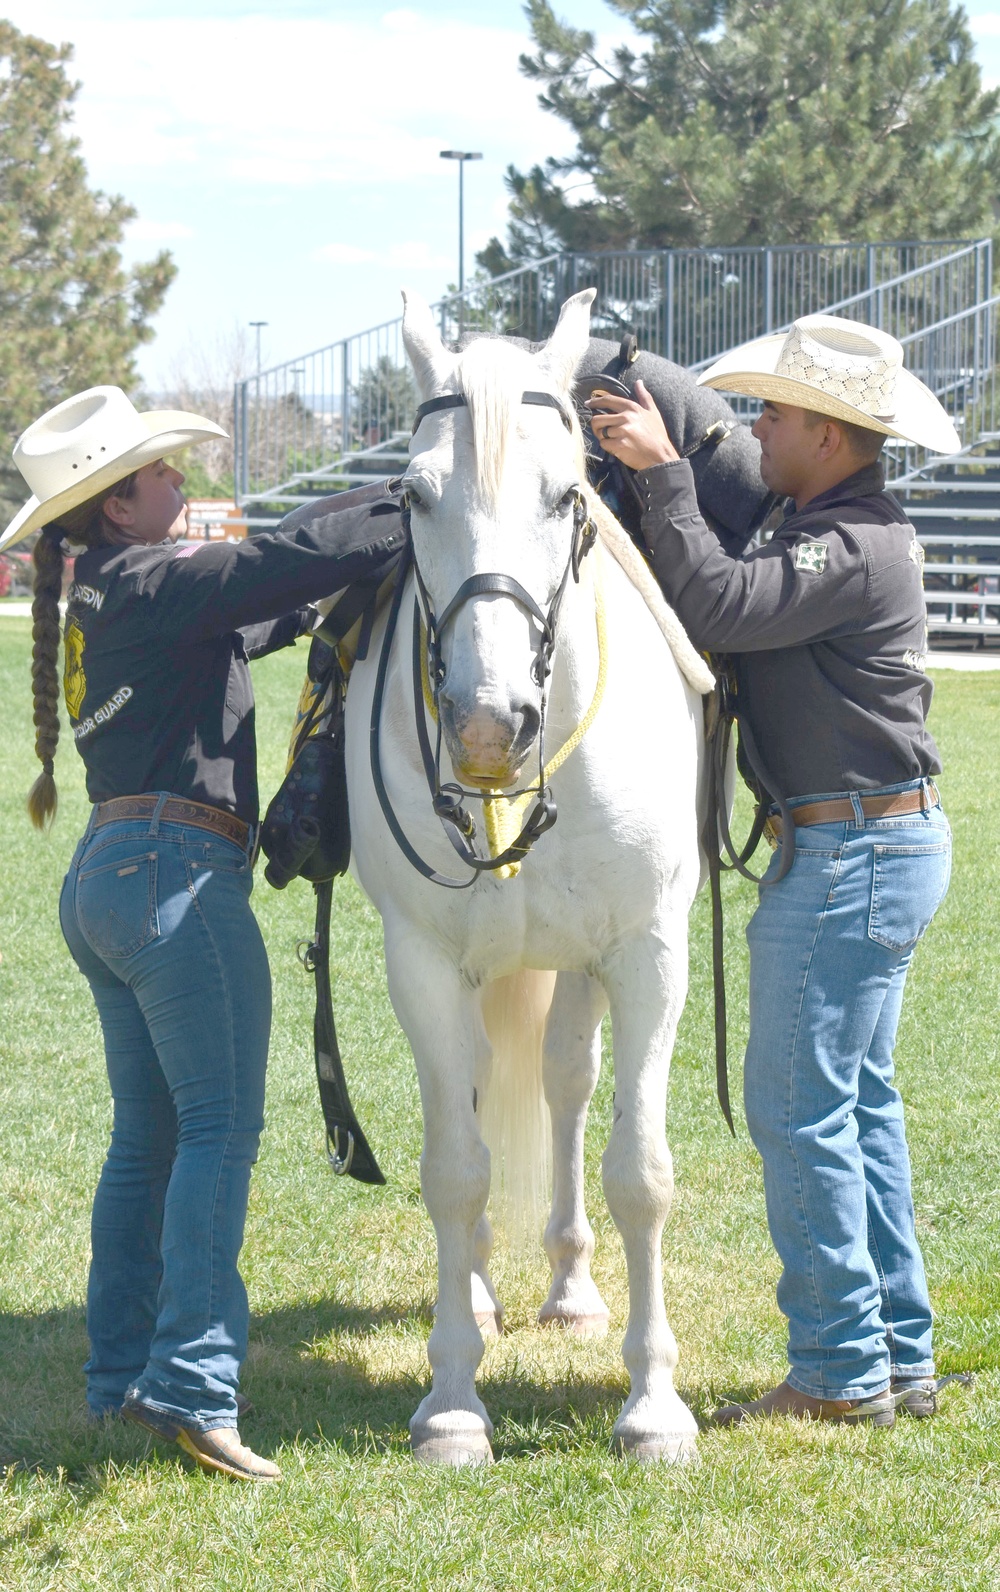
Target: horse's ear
[428, 355]
[568, 343]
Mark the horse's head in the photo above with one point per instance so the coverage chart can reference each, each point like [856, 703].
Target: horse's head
[494, 490]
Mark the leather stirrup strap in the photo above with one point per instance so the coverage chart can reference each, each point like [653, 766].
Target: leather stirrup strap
[347, 1149]
[710, 841]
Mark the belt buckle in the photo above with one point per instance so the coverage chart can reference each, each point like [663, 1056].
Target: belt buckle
[771, 835]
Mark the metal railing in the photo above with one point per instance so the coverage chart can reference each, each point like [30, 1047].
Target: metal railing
[962, 584]
[340, 414]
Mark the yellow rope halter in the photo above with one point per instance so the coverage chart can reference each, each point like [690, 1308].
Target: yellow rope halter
[504, 815]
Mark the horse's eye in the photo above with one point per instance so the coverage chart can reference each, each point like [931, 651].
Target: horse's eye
[415, 500]
[567, 501]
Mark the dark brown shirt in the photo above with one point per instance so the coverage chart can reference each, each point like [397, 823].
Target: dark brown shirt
[825, 623]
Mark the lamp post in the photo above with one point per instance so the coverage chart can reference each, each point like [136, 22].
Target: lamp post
[461, 155]
[257, 328]
[245, 429]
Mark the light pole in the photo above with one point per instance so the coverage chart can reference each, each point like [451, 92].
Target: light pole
[257, 328]
[245, 429]
[461, 155]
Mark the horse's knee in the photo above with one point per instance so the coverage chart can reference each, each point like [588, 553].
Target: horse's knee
[638, 1180]
[570, 1080]
[456, 1184]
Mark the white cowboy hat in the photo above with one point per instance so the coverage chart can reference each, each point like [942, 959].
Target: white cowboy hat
[91, 441]
[843, 369]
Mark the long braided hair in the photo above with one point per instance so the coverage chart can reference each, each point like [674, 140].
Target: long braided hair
[86, 526]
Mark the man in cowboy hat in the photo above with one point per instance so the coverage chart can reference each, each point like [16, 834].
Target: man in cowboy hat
[826, 629]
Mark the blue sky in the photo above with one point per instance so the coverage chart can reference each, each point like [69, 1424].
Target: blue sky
[287, 154]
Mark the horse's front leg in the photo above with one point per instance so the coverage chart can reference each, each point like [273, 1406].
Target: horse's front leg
[572, 1063]
[441, 1019]
[646, 982]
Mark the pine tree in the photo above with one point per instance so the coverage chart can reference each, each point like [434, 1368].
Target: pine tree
[71, 315]
[384, 400]
[758, 121]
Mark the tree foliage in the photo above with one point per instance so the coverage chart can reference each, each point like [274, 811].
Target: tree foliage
[758, 121]
[384, 401]
[71, 314]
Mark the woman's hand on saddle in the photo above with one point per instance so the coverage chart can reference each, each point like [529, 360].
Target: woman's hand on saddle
[631, 429]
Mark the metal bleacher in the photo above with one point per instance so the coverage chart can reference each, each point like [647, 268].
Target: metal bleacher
[339, 416]
[955, 506]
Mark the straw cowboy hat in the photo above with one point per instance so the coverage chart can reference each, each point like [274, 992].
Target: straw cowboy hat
[89, 442]
[843, 369]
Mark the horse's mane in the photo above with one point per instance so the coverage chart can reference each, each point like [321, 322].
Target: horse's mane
[493, 374]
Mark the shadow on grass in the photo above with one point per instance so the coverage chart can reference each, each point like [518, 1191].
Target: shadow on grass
[308, 1375]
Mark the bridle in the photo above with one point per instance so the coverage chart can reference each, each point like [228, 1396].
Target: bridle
[448, 799]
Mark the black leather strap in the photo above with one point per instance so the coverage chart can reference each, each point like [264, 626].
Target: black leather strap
[716, 828]
[447, 400]
[496, 585]
[458, 400]
[347, 1149]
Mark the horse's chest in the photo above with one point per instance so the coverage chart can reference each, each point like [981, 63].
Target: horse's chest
[563, 923]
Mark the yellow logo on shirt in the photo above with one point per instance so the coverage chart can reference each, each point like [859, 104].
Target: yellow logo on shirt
[74, 679]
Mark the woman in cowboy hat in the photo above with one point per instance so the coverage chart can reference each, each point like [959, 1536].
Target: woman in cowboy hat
[826, 628]
[155, 907]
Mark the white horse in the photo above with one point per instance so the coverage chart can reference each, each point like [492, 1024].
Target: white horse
[496, 487]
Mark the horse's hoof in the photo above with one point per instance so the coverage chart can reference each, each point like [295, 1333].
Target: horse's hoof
[592, 1324]
[654, 1429]
[452, 1451]
[652, 1448]
[490, 1323]
[450, 1436]
[455, 1448]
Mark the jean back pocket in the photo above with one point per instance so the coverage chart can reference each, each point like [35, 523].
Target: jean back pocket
[908, 885]
[116, 904]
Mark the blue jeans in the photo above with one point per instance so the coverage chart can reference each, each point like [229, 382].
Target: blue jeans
[157, 917]
[830, 946]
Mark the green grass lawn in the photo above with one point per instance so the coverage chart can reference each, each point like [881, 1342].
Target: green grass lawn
[341, 1281]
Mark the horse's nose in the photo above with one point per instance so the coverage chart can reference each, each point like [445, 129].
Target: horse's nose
[531, 723]
[488, 745]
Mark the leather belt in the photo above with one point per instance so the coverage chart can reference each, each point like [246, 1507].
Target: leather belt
[841, 809]
[176, 810]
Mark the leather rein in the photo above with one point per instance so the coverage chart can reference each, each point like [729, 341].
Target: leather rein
[448, 799]
[722, 712]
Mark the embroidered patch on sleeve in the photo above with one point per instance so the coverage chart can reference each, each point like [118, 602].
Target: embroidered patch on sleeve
[74, 679]
[811, 556]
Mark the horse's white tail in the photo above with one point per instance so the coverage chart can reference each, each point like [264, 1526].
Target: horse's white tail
[513, 1115]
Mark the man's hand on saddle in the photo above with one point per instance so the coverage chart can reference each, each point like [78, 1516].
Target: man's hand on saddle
[631, 429]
